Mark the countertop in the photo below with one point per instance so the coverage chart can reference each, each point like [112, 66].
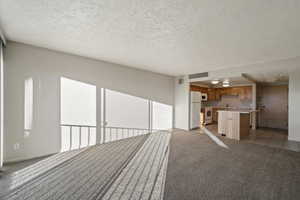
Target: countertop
[238, 111]
[232, 109]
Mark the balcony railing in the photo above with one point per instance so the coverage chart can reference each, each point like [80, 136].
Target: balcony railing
[76, 136]
[111, 133]
[108, 134]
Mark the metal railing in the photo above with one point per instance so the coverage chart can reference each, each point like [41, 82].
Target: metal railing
[108, 134]
[111, 133]
[71, 133]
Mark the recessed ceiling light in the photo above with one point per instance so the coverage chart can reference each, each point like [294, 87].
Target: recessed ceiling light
[226, 85]
[215, 82]
[226, 81]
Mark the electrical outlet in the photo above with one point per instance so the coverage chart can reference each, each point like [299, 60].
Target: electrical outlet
[26, 134]
[16, 146]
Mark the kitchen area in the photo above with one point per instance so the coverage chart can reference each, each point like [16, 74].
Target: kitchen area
[229, 108]
[252, 109]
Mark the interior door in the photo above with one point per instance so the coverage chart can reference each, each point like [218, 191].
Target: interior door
[274, 103]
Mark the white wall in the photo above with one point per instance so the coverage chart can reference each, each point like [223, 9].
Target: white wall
[294, 106]
[181, 103]
[1, 104]
[46, 67]
[123, 110]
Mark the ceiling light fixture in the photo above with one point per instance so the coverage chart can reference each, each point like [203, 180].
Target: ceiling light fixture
[226, 81]
[226, 85]
[215, 82]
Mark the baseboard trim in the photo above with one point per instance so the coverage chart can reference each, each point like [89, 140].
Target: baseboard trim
[22, 160]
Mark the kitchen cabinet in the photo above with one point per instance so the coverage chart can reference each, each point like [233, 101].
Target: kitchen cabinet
[215, 94]
[198, 89]
[237, 91]
[222, 123]
[211, 94]
[218, 94]
[234, 124]
[248, 91]
[244, 93]
[215, 114]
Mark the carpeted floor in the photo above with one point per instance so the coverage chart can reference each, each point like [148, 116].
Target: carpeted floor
[132, 168]
[17, 174]
[200, 169]
[143, 178]
[84, 176]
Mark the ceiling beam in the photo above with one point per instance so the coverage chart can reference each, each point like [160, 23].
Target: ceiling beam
[249, 78]
[2, 37]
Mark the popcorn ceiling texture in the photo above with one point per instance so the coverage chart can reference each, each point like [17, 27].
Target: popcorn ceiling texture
[167, 36]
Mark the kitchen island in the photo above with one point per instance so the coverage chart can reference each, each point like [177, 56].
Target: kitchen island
[234, 124]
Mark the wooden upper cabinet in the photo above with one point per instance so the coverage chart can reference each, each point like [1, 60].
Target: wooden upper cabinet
[236, 91]
[218, 94]
[215, 94]
[198, 89]
[249, 93]
[211, 94]
[243, 94]
[246, 93]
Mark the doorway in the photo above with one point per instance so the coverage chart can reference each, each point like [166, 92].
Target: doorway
[273, 104]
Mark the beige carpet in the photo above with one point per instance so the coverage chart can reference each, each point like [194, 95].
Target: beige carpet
[198, 169]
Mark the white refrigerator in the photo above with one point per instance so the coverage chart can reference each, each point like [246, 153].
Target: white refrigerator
[195, 109]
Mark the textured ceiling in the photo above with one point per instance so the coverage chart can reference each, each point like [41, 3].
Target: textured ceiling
[234, 81]
[263, 77]
[173, 37]
[270, 77]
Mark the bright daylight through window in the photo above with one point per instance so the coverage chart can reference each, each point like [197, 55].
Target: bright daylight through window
[78, 114]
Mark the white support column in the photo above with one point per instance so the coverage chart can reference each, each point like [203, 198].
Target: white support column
[150, 115]
[98, 115]
[254, 114]
[103, 115]
[294, 106]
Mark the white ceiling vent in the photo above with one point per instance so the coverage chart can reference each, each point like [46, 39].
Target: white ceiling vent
[198, 75]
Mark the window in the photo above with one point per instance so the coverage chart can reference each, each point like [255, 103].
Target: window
[78, 114]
